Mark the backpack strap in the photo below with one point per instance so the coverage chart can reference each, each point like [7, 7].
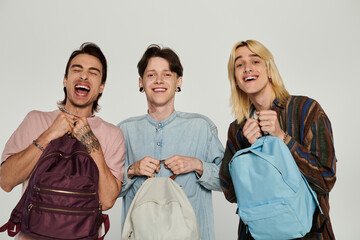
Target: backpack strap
[12, 228]
[13, 225]
[106, 221]
[318, 211]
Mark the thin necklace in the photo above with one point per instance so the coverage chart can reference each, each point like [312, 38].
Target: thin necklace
[66, 111]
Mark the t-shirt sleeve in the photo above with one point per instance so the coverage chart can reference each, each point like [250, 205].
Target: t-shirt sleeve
[23, 136]
[115, 154]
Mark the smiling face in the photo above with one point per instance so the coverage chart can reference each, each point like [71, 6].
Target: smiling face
[83, 83]
[159, 83]
[251, 73]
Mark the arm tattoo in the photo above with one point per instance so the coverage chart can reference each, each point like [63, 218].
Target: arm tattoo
[88, 139]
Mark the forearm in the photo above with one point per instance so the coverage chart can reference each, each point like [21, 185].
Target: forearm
[18, 167]
[109, 186]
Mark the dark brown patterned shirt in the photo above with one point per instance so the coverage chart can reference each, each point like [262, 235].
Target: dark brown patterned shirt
[310, 141]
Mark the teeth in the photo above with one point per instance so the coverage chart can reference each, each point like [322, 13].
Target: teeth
[249, 78]
[86, 88]
[159, 90]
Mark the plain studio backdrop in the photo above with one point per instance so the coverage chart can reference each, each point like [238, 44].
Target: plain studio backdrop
[315, 45]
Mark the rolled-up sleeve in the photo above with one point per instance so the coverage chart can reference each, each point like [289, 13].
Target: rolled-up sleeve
[211, 166]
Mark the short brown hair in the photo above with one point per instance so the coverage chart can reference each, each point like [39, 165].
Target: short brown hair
[168, 54]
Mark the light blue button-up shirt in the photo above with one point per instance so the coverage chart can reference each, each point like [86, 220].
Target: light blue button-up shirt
[186, 134]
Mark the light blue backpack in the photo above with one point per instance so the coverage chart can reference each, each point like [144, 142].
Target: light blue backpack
[274, 199]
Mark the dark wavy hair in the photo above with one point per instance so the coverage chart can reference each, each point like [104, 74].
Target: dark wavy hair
[93, 50]
[155, 50]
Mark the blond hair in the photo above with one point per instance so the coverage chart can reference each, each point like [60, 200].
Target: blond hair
[239, 100]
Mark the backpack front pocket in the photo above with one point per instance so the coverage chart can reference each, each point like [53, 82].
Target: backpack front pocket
[272, 221]
[67, 191]
[65, 197]
[66, 207]
[61, 222]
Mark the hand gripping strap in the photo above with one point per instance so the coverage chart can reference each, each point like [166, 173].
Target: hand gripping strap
[106, 221]
[172, 176]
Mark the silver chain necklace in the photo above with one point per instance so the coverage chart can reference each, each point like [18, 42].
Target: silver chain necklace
[66, 111]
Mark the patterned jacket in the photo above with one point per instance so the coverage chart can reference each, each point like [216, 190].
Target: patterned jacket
[310, 141]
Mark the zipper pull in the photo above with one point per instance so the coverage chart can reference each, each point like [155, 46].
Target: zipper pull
[30, 207]
[99, 215]
[37, 190]
[28, 215]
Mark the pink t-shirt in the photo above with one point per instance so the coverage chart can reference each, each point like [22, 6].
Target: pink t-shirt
[35, 123]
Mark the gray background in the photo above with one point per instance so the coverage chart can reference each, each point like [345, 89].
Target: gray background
[315, 44]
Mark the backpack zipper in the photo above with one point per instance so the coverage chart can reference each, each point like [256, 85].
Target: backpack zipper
[70, 155]
[57, 153]
[31, 206]
[38, 189]
[64, 156]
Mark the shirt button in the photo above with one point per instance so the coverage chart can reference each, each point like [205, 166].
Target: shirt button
[158, 143]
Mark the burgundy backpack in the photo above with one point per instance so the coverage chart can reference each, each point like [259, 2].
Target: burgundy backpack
[61, 200]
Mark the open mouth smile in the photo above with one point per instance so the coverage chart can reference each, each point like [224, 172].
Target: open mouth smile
[250, 78]
[82, 89]
[159, 89]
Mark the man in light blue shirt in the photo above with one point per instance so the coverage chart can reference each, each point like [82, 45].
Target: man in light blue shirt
[187, 142]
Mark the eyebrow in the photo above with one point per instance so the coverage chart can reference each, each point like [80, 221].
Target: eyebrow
[154, 70]
[79, 66]
[251, 55]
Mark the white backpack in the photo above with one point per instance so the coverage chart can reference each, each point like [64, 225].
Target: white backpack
[160, 210]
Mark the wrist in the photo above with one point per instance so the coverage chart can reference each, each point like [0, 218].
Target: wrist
[200, 168]
[130, 172]
[38, 145]
[42, 141]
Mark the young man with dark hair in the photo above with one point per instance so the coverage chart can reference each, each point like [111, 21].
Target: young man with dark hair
[187, 142]
[84, 82]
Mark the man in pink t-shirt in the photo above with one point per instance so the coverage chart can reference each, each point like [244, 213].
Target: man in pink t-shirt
[84, 82]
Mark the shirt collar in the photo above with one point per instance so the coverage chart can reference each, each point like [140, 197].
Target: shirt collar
[275, 105]
[161, 123]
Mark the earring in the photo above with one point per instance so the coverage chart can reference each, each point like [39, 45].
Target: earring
[270, 79]
[141, 89]
[178, 89]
